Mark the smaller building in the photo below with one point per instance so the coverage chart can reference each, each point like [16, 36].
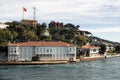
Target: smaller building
[93, 50]
[109, 47]
[29, 22]
[84, 33]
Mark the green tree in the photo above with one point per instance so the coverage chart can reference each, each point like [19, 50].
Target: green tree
[81, 40]
[117, 49]
[44, 26]
[48, 38]
[102, 48]
[5, 35]
[52, 24]
[78, 26]
[30, 36]
[15, 35]
[38, 31]
[88, 53]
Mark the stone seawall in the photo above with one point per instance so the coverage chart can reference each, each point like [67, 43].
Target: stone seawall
[53, 62]
[33, 63]
[111, 56]
[92, 58]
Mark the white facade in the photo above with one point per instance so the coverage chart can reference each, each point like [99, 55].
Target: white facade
[55, 53]
[25, 53]
[94, 50]
[109, 48]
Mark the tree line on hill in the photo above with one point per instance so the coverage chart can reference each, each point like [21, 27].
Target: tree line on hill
[16, 32]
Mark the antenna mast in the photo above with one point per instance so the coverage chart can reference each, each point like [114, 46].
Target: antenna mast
[34, 12]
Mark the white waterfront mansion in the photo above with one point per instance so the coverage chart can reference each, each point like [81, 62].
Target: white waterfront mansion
[94, 50]
[25, 51]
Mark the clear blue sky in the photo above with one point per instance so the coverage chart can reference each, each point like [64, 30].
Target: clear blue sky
[101, 17]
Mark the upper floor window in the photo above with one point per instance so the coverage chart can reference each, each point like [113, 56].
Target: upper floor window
[70, 49]
[38, 50]
[73, 49]
[47, 50]
[11, 50]
[51, 50]
[94, 50]
[15, 51]
[25, 50]
[20, 49]
[43, 49]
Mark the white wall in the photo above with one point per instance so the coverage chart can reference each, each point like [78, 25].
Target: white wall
[58, 53]
[13, 50]
[53, 53]
[26, 53]
[94, 50]
[20, 53]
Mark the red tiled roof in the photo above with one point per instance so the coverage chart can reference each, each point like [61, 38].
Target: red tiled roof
[40, 43]
[88, 46]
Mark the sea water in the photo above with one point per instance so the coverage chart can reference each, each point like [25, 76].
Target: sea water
[108, 69]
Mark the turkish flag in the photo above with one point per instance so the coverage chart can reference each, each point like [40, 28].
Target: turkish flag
[24, 9]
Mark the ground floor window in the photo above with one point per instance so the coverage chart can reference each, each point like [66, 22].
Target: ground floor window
[70, 55]
[45, 56]
[13, 58]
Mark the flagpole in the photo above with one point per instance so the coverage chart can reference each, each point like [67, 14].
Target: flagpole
[24, 10]
[22, 16]
[22, 13]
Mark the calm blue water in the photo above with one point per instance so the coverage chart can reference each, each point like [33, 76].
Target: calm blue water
[108, 69]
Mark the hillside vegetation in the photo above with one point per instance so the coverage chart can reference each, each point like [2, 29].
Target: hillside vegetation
[16, 32]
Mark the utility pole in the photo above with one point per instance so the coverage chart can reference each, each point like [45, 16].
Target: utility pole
[34, 12]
